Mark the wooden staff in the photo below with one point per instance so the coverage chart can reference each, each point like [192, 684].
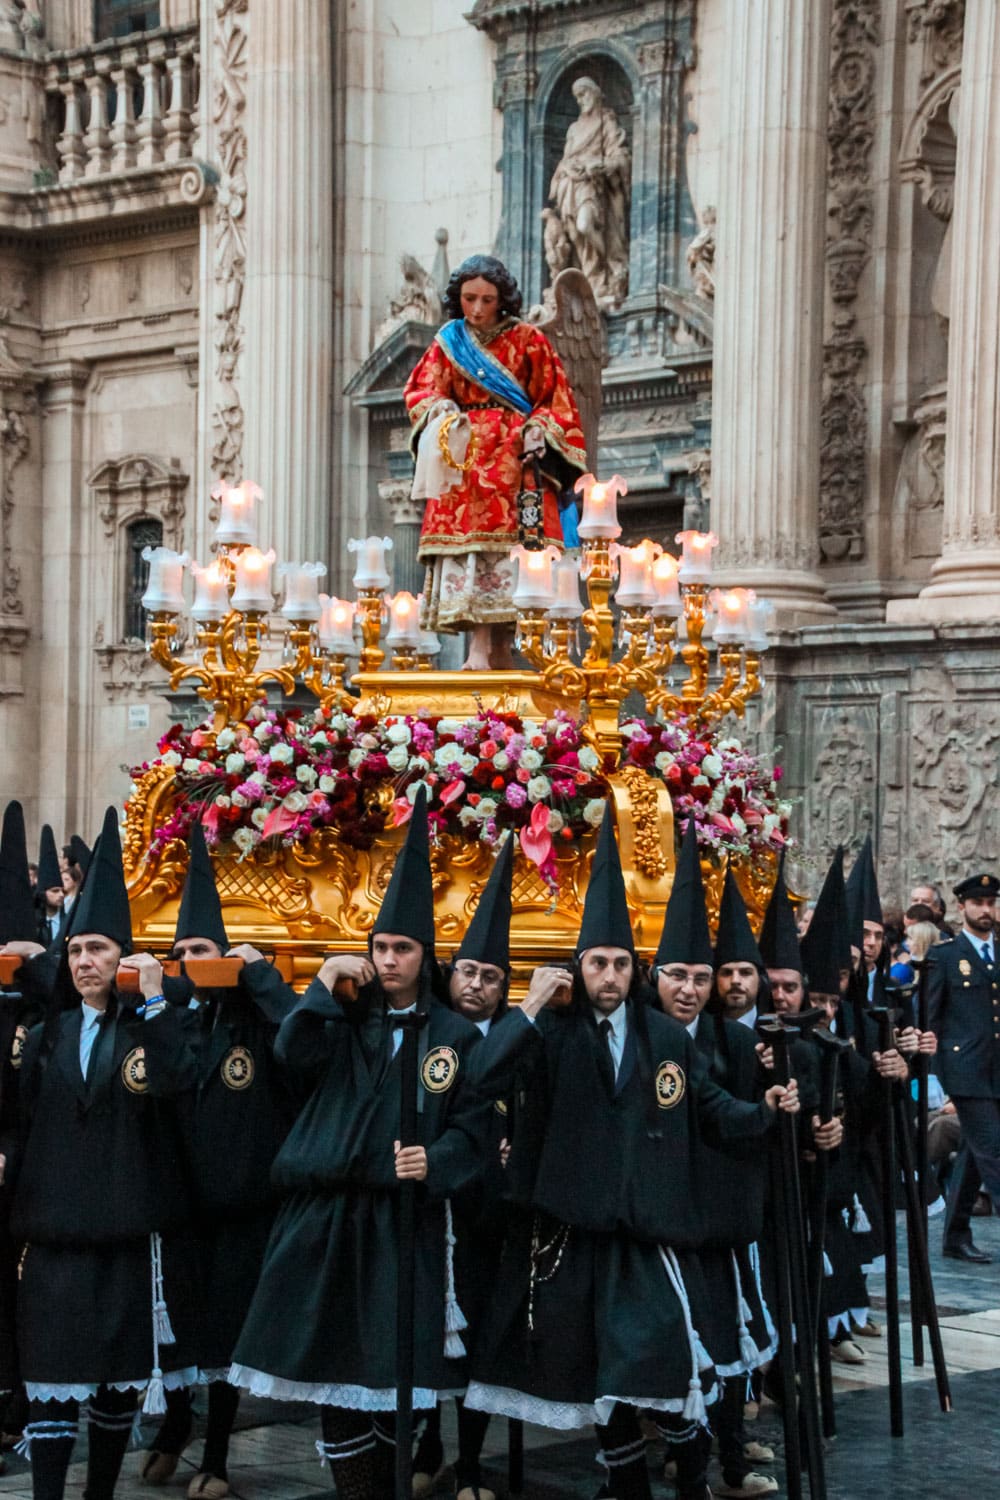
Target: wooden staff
[411, 1023]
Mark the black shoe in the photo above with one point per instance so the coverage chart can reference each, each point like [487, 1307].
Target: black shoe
[968, 1252]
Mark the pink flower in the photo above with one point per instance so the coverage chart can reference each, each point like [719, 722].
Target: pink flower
[516, 796]
[536, 841]
[402, 811]
[452, 792]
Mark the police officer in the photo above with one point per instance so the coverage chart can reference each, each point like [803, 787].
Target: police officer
[964, 1013]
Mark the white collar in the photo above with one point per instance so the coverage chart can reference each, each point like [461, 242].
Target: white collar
[485, 1025]
[977, 941]
[406, 1011]
[748, 1018]
[91, 1016]
[692, 1026]
[618, 1019]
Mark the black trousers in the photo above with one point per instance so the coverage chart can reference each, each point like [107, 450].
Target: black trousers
[980, 1120]
[963, 1190]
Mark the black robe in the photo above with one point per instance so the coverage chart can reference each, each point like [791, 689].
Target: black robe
[322, 1323]
[587, 1309]
[99, 1172]
[20, 1009]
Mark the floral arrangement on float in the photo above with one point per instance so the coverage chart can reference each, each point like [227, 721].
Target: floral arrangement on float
[287, 775]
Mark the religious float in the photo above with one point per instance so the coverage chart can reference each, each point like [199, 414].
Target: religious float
[305, 807]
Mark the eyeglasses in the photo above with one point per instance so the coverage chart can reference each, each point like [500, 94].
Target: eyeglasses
[681, 976]
[471, 972]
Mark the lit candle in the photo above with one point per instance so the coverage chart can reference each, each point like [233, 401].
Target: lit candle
[636, 589]
[404, 622]
[165, 589]
[567, 605]
[371, 572]
[336, 625]
[759, 617]
[253, 581]
[696, 561]
[534, 588]
[668, 595]
[237, 513]
[211, 593]
[732, 614]
[301, 589]
[600, 506]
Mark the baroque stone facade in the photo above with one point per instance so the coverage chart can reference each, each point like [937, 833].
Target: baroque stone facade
[201, 234]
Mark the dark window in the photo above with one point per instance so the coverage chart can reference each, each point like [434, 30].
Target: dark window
[138, 535]
[123, 17]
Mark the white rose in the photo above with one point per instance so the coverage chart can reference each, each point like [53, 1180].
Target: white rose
[239, 800]
[485, 809]
[772, 823]
[663, 761]
[225, 739]
[171, 758]
[589, 760]
[398, 734]
[737, 822]
[556, 821]
[284, 754]
[468, 815]
[327, 783]
[223, 802]
[259, 817]
[399, 757]
[446, 755]
[700, 780]
[258, 778]
[712, 765]
[355, 758]
[295, 802]
[449, 726]
[339, 723]
[235, 762]
[538, 788]
[306, 775]
[530, 760]
[593, 812]
[318, 739]
[631, 728]
[244, 839]
[716, 800]
[412, 790]
[468, 764]
[263, 732]
[417, 763]
[501, 760]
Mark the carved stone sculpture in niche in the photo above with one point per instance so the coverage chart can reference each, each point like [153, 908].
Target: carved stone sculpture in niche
[927, 157]
[419, 298]
[919, 497]
[955, 782]
[701, 257]
[841, 797]
[590, 194]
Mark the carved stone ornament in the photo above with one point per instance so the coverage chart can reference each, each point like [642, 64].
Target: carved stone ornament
[127, 670]
[17, 401]
[919, 496]
[126, 489]
[701, 258]
[587, 225]
[955, 782]
[228, 111]
[419, 297]
[855, 38]
[938, 26]
[841, 796]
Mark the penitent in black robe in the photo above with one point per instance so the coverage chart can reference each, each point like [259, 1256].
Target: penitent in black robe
[599, 1298]
[322, 1324]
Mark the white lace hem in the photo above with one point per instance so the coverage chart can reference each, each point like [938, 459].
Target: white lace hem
[215, 1376]
[605, 1405]
[505, 1402]
[353, 1397]
[173, 1380]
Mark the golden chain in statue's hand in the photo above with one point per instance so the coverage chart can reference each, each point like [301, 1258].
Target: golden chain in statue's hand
[443, 431]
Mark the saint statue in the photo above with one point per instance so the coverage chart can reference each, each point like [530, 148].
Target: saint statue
[590, 188]
[488, 399]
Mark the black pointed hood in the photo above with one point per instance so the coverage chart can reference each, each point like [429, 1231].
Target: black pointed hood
[487, 938]
[408, 905]
[200, 913]
[79, 853]
[18, 918]
[605, 922]
[735, 942]
[863, 903]
[102, 905]
[49, 873]
[685, 938]
[826, 947]
[779, 940]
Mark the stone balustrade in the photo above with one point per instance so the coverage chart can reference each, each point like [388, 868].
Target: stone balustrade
[121, 105]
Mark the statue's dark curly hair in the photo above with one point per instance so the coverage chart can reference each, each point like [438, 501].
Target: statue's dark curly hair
[491, 270]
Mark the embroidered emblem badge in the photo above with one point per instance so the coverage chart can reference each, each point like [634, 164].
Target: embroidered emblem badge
[438, 1070]
[134, 1071]
[670, 1084]
[237, 1068]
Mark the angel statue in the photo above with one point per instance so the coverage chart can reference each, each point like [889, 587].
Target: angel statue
[494, 418]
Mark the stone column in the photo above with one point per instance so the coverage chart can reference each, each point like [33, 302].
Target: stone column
[288, 299]
[769, 302]
[407, 515]
[965, 580]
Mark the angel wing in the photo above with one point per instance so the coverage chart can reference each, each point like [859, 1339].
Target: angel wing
[576, 328]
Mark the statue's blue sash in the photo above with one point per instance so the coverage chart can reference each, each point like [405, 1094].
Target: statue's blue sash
[476, 361]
